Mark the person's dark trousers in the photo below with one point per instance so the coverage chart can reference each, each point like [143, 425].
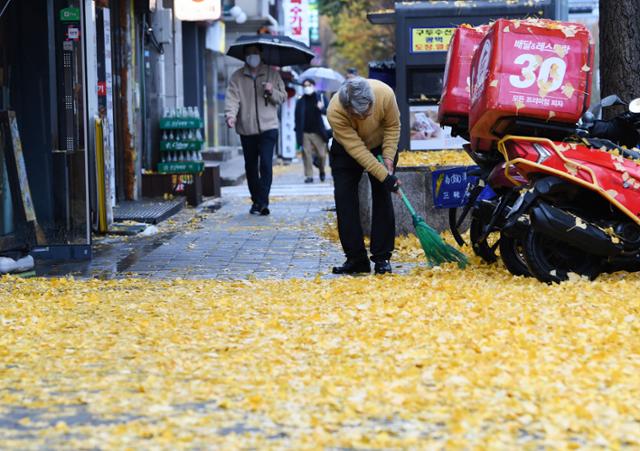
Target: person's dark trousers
[346, 177]
[258, 164]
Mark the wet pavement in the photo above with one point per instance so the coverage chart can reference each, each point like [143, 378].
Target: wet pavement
[228, 243]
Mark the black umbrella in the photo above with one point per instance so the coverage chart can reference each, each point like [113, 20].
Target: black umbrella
[277, 50]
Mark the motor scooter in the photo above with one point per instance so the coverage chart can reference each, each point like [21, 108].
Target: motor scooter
[487, 215]
[579, 211]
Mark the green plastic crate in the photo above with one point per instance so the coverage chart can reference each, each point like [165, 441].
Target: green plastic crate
[167, 146]
[181, 167]
[180, 123]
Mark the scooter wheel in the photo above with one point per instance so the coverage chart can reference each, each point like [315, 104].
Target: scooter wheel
[486, 248]
[550, 260]
[512, 255]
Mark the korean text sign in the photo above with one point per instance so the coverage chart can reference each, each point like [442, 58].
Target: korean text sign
[296, 20]
[430, 39]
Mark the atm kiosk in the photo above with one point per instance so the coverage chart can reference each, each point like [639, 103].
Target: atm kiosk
[423, 32]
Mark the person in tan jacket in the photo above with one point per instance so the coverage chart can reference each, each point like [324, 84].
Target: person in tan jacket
[253, 96]
[365, 119]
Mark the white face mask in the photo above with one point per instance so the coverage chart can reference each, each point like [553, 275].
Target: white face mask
[253, 60]
[308, 90]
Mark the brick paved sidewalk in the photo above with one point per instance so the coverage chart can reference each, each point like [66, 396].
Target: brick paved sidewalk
[228, 243]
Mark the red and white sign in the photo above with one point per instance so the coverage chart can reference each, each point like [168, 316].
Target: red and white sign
[296, 20]
[197, 10]
[102, 88]
[538, 69]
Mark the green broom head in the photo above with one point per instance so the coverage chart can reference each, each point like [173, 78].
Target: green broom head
[435, 248]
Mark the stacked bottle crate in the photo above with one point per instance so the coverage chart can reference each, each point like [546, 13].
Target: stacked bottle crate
[182, 141]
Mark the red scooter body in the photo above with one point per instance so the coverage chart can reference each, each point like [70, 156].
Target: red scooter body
[498, 177]
[606, 172]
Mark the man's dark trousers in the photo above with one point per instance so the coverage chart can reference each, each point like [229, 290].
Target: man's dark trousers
[258, 164]
[346, 174]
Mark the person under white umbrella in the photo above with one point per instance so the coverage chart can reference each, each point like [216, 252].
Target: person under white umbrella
[311, 134]
[327, 80]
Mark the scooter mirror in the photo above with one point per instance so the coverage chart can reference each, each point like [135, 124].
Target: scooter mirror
[610, 101]
[634, 106]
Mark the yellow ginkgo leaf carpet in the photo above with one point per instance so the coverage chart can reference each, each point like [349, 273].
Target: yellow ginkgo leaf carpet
[439, 358]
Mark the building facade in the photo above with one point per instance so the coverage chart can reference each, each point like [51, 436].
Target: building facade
[89, 82]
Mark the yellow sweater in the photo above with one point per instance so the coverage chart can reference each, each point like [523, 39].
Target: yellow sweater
[358, 137]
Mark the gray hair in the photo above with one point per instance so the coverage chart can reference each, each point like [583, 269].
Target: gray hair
[356, 94]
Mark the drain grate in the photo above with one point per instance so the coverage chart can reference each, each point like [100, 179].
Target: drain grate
[147, 211]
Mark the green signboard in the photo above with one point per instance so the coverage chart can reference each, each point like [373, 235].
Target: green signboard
[70, 14]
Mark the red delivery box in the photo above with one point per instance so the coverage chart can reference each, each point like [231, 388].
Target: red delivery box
[454, 102]
[535, 68]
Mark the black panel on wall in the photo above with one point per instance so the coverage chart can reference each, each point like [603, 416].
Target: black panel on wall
[31, 97]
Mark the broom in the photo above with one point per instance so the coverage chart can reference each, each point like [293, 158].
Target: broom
[434, 247]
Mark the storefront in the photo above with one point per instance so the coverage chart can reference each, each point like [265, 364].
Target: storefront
[44, 81]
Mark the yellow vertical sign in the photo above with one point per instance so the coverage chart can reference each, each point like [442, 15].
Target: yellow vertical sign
[430, 39]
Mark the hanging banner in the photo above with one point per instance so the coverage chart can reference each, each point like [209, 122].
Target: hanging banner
[296, 20]
[197, 10]
[215, 37]
[314, 22]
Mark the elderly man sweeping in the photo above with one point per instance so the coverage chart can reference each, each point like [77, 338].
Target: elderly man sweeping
[365, 119]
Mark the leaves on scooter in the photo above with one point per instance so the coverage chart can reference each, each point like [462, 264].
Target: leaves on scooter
[614, 238]
[560, 50]
[545, 87]
[568, 90]
[568, 31]
[556, 72]
[613, 193]
[494, 84]
[519, 105]
[552, 114]
[571, 168]
[585, 68]
[580, 223]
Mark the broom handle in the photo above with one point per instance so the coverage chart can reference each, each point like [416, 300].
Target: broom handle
[402, 195]
[407, 203]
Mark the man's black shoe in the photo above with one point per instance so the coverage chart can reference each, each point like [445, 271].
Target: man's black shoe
[264, 211]
[255, 209]
[322, 176]
[308, 180]
[353, 267]
[382, 267]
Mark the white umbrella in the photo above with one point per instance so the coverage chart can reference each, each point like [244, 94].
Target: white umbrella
[326, 79]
